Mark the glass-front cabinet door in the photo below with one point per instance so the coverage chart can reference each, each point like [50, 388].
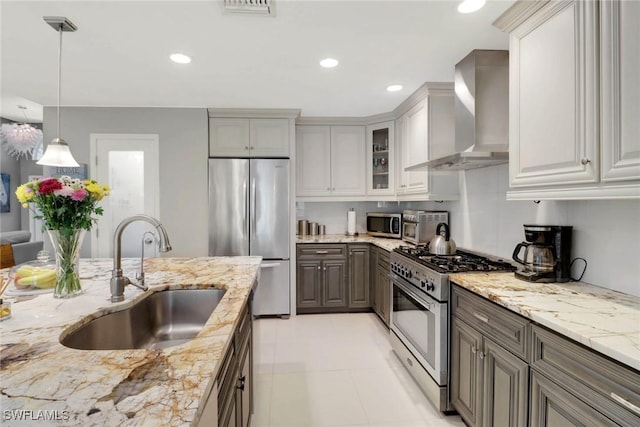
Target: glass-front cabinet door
[380, 160]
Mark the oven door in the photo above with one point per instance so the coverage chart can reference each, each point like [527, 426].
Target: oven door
[421, 324]
[410, 232]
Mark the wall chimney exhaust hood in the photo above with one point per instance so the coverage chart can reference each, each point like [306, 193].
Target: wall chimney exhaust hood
[481, 113]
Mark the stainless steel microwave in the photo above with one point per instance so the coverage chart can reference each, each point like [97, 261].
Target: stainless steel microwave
[384, 224]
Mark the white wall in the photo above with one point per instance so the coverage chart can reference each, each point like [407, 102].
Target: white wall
[605, 233]
[183, 136]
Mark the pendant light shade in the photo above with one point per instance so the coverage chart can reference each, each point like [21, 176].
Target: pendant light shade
[58, 153]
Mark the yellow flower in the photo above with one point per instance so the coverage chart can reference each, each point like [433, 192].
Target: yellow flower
[24, 194]
[96, 190]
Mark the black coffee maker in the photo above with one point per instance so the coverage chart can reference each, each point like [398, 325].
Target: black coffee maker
[547, 253]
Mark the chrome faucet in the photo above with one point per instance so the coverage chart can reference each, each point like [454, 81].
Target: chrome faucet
[118, 281]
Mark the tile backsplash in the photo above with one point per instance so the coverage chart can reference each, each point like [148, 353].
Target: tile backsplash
[606, 233]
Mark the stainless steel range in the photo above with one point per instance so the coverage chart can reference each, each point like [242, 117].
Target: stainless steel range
[419, 312]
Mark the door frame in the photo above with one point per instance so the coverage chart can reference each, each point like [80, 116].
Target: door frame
[154, 148]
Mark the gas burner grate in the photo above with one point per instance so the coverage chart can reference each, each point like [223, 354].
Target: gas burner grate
[460, 262]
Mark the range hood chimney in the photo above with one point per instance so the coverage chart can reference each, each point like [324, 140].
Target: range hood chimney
[481, 113]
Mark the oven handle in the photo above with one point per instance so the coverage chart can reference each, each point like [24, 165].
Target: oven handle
[394, 278]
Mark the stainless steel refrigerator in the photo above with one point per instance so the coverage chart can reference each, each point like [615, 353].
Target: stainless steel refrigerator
[249, 215]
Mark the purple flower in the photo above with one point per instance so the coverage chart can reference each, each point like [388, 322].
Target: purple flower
[79, 194]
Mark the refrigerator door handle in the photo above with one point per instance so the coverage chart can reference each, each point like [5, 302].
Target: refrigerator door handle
[253, 207]
[246, 211]
[270, 265]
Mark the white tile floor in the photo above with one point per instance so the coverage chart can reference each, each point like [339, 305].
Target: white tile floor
[334, 370]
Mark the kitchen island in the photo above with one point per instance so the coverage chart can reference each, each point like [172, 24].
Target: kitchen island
[44, 380]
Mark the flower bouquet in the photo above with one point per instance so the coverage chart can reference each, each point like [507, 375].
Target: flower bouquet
[66, 206]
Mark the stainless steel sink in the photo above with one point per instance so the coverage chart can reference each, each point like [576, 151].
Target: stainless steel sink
[162, 319]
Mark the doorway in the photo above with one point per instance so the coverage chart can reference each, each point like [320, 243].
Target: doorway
[129, 164]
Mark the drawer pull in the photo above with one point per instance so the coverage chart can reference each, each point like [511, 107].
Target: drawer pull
[409, 362]
[624, 402]
[322, 252]
[481, 317]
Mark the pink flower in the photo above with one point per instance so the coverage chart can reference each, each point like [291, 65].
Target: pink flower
[64, 192]
[79, 194]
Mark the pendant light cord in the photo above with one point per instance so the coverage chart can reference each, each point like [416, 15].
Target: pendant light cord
[59, 82]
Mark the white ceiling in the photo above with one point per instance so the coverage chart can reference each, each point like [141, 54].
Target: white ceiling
[119, 55]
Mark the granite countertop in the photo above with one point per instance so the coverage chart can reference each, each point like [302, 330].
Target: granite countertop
[118, 387]
[381, 242]
[604, 320]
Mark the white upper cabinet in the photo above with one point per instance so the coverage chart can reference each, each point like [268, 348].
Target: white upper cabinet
[414, 149]
[380, 159]
[240, 137]
[330, 161]
[620, 89]
[553, 97]
[574, 90]
[424, 132]
[347, 161]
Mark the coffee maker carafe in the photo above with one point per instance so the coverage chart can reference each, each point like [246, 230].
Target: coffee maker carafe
[547, 253]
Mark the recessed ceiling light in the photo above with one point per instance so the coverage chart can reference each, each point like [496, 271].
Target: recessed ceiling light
[329, 63]
[180, 58]
[394, 88]
[468, 6]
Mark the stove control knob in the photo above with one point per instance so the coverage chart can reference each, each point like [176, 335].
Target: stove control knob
[409, 274]
[431, 286]
[423, 283]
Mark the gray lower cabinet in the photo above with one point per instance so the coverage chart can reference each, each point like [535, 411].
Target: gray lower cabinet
[504, 367]
[321, 278]
[380, 286]
[230, 402]
[489, 384]
[575, 386]
[359, 277]
[373, 274]
[552, 406]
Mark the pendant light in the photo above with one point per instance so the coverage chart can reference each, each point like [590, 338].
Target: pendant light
[58, 153]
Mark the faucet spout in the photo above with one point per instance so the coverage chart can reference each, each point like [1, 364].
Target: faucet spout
[118, 281]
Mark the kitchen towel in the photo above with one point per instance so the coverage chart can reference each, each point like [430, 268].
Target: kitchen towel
[351, 222]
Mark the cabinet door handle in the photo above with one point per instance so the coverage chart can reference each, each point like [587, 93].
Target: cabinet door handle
[322, 252]
[241, 381]
[481, 317]
[585, 161]
[246, 147]
[624, 402]
[328, 188]
[481, 355]
[409, 362]
[325, 269]
[473, 349]
[319, 268]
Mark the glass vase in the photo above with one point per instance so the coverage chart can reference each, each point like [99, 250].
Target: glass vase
[67, 245]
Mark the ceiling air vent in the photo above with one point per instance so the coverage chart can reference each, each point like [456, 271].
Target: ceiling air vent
[257, 7]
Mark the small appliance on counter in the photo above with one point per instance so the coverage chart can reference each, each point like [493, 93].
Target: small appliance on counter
[419, 227]
[547, 253]
[380, 224]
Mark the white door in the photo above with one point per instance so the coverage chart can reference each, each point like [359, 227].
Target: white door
[129, 164]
